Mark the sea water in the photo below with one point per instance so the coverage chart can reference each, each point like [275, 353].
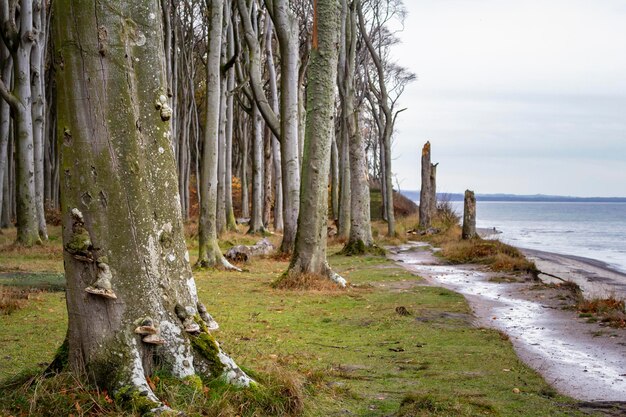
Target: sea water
[591, 230]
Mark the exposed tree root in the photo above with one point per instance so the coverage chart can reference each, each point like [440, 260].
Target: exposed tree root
[358, 247]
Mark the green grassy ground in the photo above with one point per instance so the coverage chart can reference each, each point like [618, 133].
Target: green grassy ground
[353, 352]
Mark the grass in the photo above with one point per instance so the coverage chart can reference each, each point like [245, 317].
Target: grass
[317, 353]
[498, 256]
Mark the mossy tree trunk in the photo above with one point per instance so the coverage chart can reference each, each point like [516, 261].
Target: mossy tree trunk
[210, 254]
[309, 254]
[425, 192]
[469, 215]
[131, 296]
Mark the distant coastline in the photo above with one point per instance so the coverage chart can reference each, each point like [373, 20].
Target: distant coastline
[536, 198]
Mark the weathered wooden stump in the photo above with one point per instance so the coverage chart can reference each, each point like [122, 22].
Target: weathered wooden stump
[469, 215]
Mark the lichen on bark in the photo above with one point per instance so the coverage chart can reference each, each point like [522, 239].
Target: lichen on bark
[129, 236]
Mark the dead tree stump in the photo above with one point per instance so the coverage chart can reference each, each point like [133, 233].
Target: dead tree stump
[469, 215]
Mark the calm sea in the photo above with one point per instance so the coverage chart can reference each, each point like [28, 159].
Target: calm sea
[592, 230]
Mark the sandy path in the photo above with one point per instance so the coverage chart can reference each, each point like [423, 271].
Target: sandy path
[583, 360]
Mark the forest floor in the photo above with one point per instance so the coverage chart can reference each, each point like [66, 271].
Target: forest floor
[389, 345]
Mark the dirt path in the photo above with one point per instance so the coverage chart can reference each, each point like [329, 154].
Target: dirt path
[583, 360]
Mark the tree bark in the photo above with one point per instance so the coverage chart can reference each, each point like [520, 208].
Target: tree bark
[387, 131]
[276, 157]
[6, 68]
[230, 85]
[287, 31]
[334, 179]
[132, 301]
[38, 105]
[309, 255]
[360, 238]
[221, 155]
[20, 43]
[425, 192]
[256, 220]
[433, 190]
[469, 216]
[210, 254]
[245, 152]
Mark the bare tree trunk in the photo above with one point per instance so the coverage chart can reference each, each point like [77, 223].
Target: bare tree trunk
[230, 85]
[221, 157]
[425, 192]
[360, 238]
[383, 181]
[276, 157]
[256, 220]
[388, 124]
[287, 32]
[267, 178]
[20, 45]
[209, 251]
[433, 190]
[343, 229]
[309, 255]
[6, 68]
[469, 215]
[38, 106]
[132, 301]
[245, 196]
[334, 181]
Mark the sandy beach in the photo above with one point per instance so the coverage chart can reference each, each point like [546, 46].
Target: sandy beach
[584, 360]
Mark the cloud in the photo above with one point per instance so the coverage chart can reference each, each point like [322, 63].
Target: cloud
[506, 87]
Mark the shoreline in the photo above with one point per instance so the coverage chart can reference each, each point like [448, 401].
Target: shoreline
[597, 279]
[583, 360]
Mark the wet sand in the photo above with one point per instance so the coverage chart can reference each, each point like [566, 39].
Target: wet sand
[595, 278]
[580, 359]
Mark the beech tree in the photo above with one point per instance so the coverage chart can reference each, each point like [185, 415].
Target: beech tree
[309, 255]
[19, 35]
[360, 237]
[210, 254]
[131, 298]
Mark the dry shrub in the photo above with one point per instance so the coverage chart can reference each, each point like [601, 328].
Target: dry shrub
[502, 263]
[237, 196]
[45, 250]
[280, 256]
[307, 282]
[497, 255]
[53, 215]
[12, 299]
[608, 310]
[446, 217]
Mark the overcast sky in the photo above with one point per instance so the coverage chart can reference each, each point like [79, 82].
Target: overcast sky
[519, 97]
